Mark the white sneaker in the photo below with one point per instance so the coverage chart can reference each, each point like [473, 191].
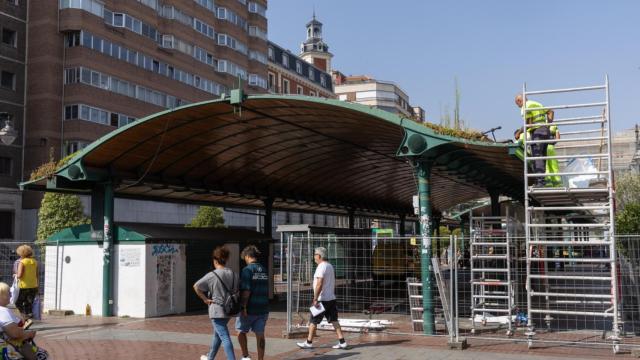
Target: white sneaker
[340, 345]
[304, 345]
[245, 358]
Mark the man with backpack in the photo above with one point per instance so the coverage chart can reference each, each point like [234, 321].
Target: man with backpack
[254, 297]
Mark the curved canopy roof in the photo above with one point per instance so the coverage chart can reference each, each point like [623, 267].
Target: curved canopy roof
[304, 153]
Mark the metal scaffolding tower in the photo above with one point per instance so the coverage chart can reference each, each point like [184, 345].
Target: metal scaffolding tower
[569, 223]
[491, 258]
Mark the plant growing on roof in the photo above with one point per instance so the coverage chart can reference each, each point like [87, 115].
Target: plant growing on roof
[57, 211]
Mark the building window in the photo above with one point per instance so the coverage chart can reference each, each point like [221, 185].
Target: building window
[72, 39]
[150, 3]
[256, 8]
[285, 86]
[92, 6]
[311, 93]
[311, 74]
[270, 53]
[6, 224]
[221, 13]
[118, 19]
[5, 166]
[167, 41]
[9, 37]
[342, 97]
[8, 80]
[285, 60]
[272, 81]
[298, 67]
[323, 81]
[299, 90]
[257, 32]
[72, 147]
[208, 4]
[256, 80]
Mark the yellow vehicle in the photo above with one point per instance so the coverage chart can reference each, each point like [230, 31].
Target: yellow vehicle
[395, 259]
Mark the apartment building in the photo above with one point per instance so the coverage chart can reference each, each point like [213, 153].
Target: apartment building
[384, 95]
[95, 65]
[13, 20]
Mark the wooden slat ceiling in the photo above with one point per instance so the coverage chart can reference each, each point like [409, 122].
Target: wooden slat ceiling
[307, 155]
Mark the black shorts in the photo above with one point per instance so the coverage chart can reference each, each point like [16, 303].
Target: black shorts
[330, 312]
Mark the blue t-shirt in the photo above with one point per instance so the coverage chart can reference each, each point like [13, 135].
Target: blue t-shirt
[254, 277]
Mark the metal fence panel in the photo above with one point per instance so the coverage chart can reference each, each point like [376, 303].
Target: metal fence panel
[374, 283]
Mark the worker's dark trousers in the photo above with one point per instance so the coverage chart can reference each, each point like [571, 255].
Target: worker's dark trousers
[539, 166]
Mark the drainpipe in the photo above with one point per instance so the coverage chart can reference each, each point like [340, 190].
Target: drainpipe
[423, 172]
[107, 246]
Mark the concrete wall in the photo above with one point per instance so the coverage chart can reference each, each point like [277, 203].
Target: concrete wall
[78, 281]
[149, 280]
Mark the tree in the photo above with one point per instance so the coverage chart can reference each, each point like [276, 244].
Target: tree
[627, 190]
[207, 217]
[628, 219]
[57, 212]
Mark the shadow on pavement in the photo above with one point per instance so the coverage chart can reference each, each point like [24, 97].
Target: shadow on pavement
[377, 343]
[323, 357]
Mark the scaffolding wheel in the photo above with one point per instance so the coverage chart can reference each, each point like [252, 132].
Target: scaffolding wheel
[509, 333]
[473, 331]
[529, 343]
[484, 322]
[616, 348]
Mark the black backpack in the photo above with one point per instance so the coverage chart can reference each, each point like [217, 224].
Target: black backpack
[231, 303]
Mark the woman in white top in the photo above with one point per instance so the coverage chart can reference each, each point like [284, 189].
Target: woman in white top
[11, 325]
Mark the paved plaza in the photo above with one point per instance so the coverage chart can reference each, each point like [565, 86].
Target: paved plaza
[188, 336]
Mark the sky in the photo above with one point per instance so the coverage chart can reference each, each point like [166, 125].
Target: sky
[492, 47]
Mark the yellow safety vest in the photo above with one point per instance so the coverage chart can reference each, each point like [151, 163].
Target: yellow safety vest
[534, 116]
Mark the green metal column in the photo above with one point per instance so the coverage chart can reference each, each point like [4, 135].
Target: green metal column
[424, 194]
[352, 219]
[268, 217]
[107, 247]
[463, 222]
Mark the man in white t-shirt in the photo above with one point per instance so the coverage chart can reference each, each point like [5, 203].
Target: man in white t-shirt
[324, 283]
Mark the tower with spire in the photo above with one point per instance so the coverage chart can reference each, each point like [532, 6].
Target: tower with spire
[314, 50]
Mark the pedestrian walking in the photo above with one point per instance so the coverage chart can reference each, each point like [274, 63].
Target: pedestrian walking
[324, 282]
[27, 276]
[216, 289]
[254, 297]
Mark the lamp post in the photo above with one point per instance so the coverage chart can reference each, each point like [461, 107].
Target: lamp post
[7, 134]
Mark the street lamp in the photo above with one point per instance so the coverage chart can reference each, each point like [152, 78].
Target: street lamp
[7, 134]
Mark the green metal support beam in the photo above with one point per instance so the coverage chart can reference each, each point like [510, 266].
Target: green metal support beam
[107, 247]
[423, 171]
[268, 217]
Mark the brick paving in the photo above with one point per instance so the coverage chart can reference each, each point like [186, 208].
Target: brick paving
[188, 336]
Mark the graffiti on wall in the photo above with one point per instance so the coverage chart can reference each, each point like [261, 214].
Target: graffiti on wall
[164, 249]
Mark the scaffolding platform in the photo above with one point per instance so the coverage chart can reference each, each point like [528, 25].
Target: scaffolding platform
[570, 212]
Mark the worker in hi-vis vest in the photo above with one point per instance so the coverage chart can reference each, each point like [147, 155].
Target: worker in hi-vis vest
[540, 131]
[552, 165]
